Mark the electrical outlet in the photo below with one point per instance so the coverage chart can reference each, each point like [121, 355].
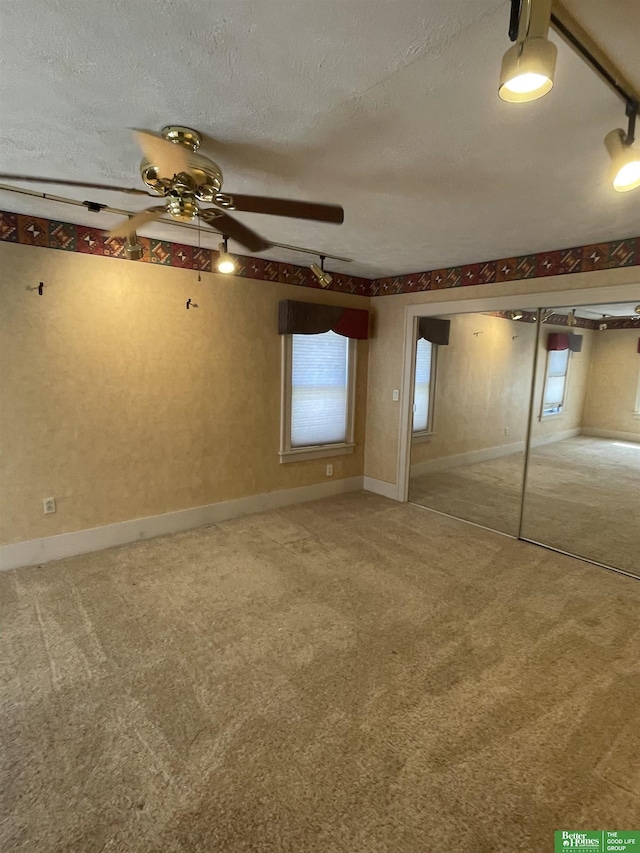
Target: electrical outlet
[506, 430]
[49, 505]
[329, 470]
[396, 395]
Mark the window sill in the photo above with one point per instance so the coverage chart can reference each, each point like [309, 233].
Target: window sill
[299, 454]
[552, 415]
[419, 437]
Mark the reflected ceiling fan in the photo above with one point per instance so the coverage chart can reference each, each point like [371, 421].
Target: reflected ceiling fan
[173, 169]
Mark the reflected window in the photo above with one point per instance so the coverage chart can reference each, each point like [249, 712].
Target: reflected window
[424, 387]
[555, 385]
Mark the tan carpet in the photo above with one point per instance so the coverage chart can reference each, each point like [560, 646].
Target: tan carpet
[583, 496]
[487, 493]
[348, 676]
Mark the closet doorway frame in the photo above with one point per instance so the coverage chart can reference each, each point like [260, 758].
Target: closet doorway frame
[541, 299]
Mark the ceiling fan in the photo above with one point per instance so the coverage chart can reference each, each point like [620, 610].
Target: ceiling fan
[173, 169]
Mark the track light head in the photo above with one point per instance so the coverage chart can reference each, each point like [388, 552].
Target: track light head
[527, 70]
[517, 315]
[132, 249]
[528, 67]
[571, 318]
[225, 263]
[320, 273]
[637, 309]
[625, 161]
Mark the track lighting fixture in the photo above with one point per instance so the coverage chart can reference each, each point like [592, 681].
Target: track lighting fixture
[637, 309]
[547, 314]
[132, 248]
[225, 263]
[625, 159]
[571, 318]
[517, 315]
[319, 271]
[528, 67]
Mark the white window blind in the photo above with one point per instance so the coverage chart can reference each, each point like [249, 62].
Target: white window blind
[319, 389]
[422, 390]
[554, 388]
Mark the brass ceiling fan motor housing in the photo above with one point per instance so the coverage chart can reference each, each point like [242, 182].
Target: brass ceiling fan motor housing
[202, 181]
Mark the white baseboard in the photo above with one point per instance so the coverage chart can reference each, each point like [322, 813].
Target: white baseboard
[35, 551]
[444, 463]
[381, 487]
[611, 433]
[556, 436]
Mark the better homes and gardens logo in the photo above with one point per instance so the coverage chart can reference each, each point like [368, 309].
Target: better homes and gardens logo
[600, 841]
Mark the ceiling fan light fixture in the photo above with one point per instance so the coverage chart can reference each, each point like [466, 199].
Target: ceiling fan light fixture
[528, 67]
[625, 161]
[225, 263]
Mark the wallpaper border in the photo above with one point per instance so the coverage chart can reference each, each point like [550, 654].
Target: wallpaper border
[52, 234]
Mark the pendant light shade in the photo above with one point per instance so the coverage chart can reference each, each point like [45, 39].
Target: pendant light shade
[528, 67]
[625, 162]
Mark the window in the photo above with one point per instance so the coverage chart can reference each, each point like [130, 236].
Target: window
[424, 387]
[318, 390]
[555, 385]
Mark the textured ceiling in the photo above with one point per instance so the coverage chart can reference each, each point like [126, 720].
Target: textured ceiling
[389, 108]
[611, 309]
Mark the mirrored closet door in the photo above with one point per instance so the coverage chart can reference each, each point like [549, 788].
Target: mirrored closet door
[552, 458]
[473, 375]
[582, 490]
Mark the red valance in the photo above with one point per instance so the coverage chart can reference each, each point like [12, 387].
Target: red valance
[557, 341]
[312, 318]
[564, 340]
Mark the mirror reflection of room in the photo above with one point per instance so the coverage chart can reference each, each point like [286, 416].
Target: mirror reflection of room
[583, 480]
[472, 389]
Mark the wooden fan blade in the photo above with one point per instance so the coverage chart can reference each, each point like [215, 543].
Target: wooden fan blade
[235, 230]
[63, 183]
[169, 157]
[288, 207]
[129, 226]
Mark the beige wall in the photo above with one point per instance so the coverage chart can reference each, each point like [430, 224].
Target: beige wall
[483, 387]
[613, 382]
[571, 417]
[122, 404]
[386, 350]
